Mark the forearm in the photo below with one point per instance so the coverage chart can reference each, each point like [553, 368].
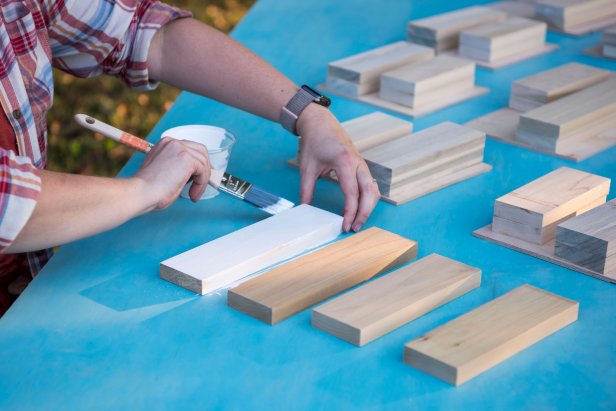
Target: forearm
[195, 57]
[71, 207]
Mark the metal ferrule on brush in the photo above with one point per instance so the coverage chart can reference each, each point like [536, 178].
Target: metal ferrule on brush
[234, 186]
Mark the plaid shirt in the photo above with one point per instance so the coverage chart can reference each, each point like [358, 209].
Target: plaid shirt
[83, 37]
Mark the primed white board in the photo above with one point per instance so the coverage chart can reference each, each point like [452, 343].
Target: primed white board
[220, 262]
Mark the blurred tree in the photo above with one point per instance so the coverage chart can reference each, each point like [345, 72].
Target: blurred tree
[73, 149]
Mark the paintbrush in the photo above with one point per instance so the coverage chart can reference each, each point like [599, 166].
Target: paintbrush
[224, 182]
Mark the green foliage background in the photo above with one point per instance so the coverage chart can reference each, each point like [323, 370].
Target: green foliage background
[75, 150]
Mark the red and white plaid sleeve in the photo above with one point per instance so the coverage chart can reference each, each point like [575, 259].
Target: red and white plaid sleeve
[20, 186]
[89, 38]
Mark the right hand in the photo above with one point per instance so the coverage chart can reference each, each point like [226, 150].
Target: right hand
[170, 164]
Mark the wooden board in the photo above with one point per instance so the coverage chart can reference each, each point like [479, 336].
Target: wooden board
[587, 112]
[477, 341]
[220, 262]
[371, 130]
[501, 125]
[514, 8]
[292, 287]
[597, 51]
[575, 16]
[442, 31]
[359, 74]
[502, 39]
[533, 211]
[550, 85]
[380, 306]
[589, 240]
[513, 58]
[423, 153]
[542, 251]
[374, 100]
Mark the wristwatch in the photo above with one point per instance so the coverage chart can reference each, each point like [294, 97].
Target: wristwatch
[290, 113]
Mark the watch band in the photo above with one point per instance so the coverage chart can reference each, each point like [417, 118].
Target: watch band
[290, 113]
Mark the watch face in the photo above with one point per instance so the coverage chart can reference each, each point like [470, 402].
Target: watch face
[318, 98]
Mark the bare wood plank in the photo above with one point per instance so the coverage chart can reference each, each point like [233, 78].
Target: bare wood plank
[568, 15]
[490, 334]
[536, 90]
[550, 125]
[542, 251]
[532, 211]
[380, 306]
[442, 31]
[393, 161]
[220, 262]
[365, 68]
[589, 240]
[376, 128]
[501, 39]
[292, 287]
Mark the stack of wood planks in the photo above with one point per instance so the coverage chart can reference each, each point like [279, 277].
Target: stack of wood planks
[532, 212]
[582, 115]
[427, 82]
[608, 42]
[442, 31]
[503, 42]
[405, 164]
[575, 16]
[219, 263]
[550, 85]
[589, 240]
[380, 306]
[359, 74]
[488, 335]
[301, 283]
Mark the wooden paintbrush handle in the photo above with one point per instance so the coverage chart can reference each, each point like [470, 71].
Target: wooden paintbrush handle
[131, 141]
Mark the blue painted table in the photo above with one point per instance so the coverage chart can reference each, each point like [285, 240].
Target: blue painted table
[98, 329]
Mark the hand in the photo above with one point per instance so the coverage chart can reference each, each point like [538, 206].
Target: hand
[326, 147]
[169, 166]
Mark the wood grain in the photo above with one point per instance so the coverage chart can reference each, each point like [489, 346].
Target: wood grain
[550, 85]
[533, 211]
[549, 126]
[488, 335]
[219, 263]
[589, 240]
[292, 287]
[504, 38]
[567, 15]
[428, 151]
[380, 306]
[359, 74]
[442, 31]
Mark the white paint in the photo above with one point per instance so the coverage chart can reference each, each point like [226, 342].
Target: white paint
[220, 262]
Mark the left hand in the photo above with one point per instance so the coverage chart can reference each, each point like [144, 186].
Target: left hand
[326, 147]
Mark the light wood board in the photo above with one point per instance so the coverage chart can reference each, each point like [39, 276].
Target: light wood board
[374, 100]
[514, 58]
[442, 31]
[514, 8]
[589, 240]
[502, 124]
[550, 85]
[585, 113]
[596, 51]
[380, 306]
[542, 251]
[576, 17]
[219, 263]
[477, 341]
[533, 211]
[301, 283]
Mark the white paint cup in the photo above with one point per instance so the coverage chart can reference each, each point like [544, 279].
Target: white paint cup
[218, 142]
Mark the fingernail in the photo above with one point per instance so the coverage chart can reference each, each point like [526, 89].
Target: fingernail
[346, 228]
[357, 227]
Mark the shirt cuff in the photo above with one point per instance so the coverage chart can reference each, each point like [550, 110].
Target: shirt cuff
[20, 187]
[156, 15]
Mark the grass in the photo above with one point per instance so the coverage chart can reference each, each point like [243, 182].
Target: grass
[75, 150]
